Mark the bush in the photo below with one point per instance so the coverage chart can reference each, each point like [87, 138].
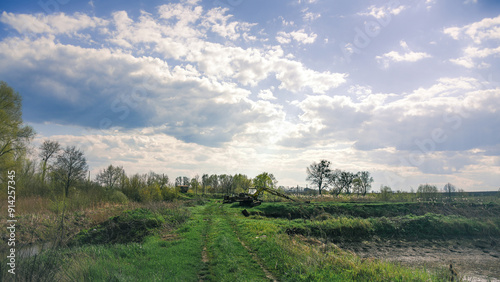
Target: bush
[131, 226]
[118, 197]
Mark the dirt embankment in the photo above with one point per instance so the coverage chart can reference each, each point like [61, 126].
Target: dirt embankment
[473, 259]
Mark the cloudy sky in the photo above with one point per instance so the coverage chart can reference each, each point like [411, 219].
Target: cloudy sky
[408, 90]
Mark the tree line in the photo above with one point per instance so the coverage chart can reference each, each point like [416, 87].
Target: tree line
[338, 181]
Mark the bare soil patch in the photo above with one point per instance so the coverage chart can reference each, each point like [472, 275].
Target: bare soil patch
[473, 259]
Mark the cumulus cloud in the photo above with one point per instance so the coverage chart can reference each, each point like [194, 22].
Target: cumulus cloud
[383, 11]
[200, 99]
[487, 28]
[393, 56]
[427, 127]
[266, 94]
[51, 24]
[299, 35]
[480, 34]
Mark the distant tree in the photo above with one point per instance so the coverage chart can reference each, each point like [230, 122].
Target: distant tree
[226, 182]
[345, 180]
[14, 135]
[362, 182]
[214, 182]
[178, 181]
[205, 182]
[318, 174]
[110, 176]
[153, 178]
[265, 179]
[241, 183]
[427, 191]
[334, 181]
[386, 192]
[195, 183]
[48, 150]
[70, 167]
[449, 188]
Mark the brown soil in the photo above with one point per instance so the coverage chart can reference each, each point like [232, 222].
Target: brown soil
[473, 259]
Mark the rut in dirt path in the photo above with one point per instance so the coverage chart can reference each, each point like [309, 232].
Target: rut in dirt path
[269, 275]
[224, 255]
[204, 271]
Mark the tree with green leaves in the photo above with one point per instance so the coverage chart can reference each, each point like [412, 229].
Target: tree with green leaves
[318, 174]
[48, 150]
[362, 182]
[226, 182]
[265, 179]
[334, 181]
[14, 135]
[341, 181]
[70, 167]
[195, 183]
[241, 183]
[205, 182]
[386, 192]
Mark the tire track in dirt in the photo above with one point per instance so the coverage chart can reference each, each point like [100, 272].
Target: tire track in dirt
[254, 256]
[269, 275]
[204, 271]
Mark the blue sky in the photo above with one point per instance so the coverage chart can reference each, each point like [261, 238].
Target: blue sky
[408, 90]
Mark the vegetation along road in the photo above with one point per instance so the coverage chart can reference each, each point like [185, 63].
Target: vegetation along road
[205, 240]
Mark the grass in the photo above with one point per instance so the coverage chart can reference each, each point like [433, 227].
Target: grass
[197, 240]
[297, 258]
[228, 258]
[366, 210]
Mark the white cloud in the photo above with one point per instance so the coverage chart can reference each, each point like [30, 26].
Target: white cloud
[266, 94]
[383, 11]
[409, 56]
[51, 24]
[299, 35]
[486, 29]
[482, 33]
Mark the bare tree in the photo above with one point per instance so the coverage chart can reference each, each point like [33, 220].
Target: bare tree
[449, 188]
[318, 174]
[48, 150]
[110, 176]
[70, 167]
[427, 191]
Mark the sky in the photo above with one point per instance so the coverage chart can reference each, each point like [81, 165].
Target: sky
[407, 90]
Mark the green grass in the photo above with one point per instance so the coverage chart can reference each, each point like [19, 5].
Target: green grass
[367, 210]
[162, 243]
[228, 258]
[293, 259]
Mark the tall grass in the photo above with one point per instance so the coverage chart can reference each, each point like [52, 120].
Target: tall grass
[295, 258]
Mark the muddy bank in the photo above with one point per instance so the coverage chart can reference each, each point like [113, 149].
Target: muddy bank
[473, 259]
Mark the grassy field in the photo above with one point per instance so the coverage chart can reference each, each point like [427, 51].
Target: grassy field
[196, 240]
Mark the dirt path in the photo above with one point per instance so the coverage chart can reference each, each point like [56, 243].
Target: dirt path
[269, 275]
[475, 260]
[224, 255]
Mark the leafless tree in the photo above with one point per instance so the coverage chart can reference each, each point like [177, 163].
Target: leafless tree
[48, 150]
